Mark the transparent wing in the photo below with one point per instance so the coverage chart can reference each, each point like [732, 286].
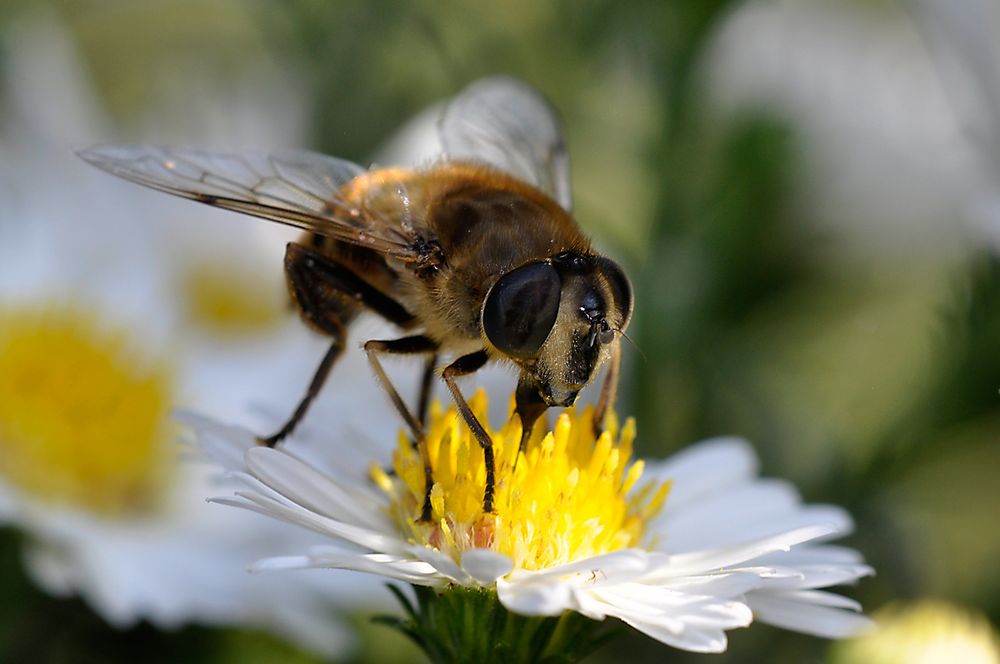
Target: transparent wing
[296, 188]
[510, 125]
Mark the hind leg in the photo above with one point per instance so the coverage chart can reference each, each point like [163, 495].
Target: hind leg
[324, 291]
[315, 385]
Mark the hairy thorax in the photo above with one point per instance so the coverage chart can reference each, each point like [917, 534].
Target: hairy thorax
[482, 222]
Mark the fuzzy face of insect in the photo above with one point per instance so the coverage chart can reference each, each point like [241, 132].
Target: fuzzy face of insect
[557, 319]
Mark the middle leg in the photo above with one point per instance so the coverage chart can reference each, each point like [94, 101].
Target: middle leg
[464, 366]
[414, 345]
[424, 399]
[328, 295]
[609, 389]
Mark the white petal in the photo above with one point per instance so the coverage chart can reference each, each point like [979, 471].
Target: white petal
[704, 468]
[813, 554]
[408, 571]
[745, 513]
[549, 598]
[311, 489]
[223, 443]
[589, 604]
[640, 601]
[287, 511]
[815, 576]
[442, 563]
[795, 612]
[695, 640]
[614, 566]
[705, 561]
[726, 513]
[52, 569]
[684, 620]
[724, 585]
[823, 598]
[486, 566]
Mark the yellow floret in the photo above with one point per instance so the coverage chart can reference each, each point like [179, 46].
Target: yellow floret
[83, 422]
[568, 496]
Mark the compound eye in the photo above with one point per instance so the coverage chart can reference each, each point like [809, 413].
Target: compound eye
[521, 309]
[621, 287]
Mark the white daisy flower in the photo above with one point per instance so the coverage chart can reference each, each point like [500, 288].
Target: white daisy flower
[964, 40]
[682, 550]
[849, 76]
[100, 338]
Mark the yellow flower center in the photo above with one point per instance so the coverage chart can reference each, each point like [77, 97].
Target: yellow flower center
[82, 423]
[229, 300]
[569, 496]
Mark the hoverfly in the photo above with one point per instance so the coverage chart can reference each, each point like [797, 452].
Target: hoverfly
[475, 256]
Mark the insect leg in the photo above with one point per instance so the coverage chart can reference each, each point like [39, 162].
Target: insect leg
[406, 346]
[315, 385]
[326, 293]
[414, 345]
[609, 388]
[424, 401]
[314, 276]
[529, 406]
[463, 366]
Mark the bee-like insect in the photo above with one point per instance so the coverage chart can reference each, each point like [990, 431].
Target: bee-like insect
[476, 256]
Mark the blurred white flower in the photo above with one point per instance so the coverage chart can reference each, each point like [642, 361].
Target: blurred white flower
[577, 526]
[117, 304]
[923, 632]
[964, 39]
[884, 163]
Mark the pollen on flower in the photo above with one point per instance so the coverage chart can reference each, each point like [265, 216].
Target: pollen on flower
[569, 496]
[83, 423]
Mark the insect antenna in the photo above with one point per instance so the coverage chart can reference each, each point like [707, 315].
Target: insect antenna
[633, 344]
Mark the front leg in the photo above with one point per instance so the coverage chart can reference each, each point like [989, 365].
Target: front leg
[609, 389]
[464, 366]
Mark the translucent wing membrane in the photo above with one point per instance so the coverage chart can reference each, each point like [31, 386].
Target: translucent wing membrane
[507, 124]
[296, 188]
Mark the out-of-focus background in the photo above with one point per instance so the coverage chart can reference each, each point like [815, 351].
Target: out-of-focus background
[806, 195]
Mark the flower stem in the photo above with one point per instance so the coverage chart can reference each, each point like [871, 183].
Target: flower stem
[470, 625]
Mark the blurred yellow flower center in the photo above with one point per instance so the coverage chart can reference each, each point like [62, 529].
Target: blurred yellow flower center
[570, 496]
[82, 422]
[228, 300]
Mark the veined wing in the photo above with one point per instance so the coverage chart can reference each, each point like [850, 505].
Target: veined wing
[292, 187]
[510, 125]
